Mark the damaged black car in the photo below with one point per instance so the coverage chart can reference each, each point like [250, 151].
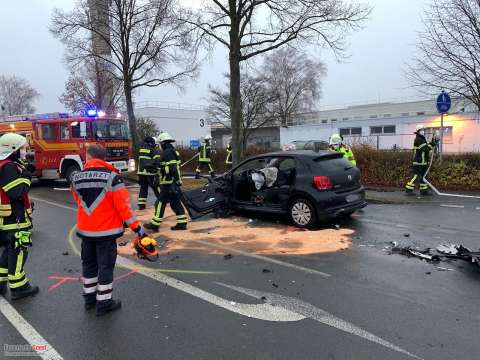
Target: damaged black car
[306, 186]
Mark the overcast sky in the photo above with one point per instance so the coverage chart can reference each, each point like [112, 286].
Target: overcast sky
[373, 72]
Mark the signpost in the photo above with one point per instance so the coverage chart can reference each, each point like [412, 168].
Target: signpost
[444, 103]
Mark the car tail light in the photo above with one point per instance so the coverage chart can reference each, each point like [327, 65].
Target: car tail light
[322, 183]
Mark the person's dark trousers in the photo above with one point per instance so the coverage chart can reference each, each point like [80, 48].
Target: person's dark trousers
[98, 263]
[419, 172]
[146, 181]
[169, 194]
[12, 261]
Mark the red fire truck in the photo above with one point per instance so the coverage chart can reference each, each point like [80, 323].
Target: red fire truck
[57, 142]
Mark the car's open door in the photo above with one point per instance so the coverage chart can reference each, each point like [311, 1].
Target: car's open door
[213, 197]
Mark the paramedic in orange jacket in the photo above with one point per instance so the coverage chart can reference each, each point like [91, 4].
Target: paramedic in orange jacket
[103, 211]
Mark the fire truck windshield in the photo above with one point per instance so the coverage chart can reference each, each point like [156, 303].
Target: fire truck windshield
[111, 129]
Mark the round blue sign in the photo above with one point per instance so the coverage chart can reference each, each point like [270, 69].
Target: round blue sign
[444, 102]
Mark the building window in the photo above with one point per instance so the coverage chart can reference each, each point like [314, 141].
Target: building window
[325, 121]
[383, 130]
[421, 113]
[387, 115]
[345, 118]
[447, 133]
[356, 131]
[373, 116]
[333, 120]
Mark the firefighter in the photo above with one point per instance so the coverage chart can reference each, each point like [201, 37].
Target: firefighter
[421, 159]
[228, 160]
[170, 182]
[336, 144]
[204, 157]
[15, 218]
[147, 171]
[103, 208]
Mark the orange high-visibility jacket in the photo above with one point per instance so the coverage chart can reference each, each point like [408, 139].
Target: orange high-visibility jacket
[103, 201]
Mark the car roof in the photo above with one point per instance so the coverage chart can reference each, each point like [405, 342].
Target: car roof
[301, 154]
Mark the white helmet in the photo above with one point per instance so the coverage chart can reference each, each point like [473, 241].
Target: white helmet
[419, 127]
[165, 137]
[335, 139]
[208, 137]
[9, 143]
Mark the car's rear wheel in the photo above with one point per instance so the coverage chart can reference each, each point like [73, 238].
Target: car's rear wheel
[302, 213]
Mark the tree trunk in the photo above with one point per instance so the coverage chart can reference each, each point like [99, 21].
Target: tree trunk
[132, 123]
[235, 96]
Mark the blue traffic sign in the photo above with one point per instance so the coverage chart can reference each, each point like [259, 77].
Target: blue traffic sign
[444, 102]
[194, 143]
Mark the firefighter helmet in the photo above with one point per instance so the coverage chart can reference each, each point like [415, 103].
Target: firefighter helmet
[165, 137]
[335, 139]
[9, 143]
[146, 248]
[208, 137]
[419, 127]
[149, 140]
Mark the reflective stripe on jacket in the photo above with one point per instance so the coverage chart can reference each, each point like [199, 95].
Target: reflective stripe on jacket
[103, 201]
[421, 150]
[348, 154]
[205, 151]
[146, 161]
[228, 160]
[170, 166]
[15, 208]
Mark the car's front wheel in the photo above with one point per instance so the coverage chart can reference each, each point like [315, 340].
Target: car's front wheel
[302, 213]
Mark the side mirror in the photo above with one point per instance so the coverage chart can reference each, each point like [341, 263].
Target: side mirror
[83, 129]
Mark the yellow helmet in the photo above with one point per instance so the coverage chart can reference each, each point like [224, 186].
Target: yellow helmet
[9, 143]
[165, 137]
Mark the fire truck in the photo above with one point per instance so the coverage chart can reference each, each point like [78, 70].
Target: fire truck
[57, 142]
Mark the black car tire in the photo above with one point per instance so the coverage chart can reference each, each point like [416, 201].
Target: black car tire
[70, 170]
[302, 213]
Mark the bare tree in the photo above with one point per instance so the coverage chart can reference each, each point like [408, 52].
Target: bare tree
[255, 98]
[448, 50]
[147, 43]
[294, 79]
[88, 86]
[252, 27]
[16, 95]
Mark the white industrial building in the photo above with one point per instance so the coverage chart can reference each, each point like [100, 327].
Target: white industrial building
[187, 123]
[388, 125]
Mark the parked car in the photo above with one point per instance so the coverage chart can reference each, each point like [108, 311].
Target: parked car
[307, 186]
[294, 145]
[314, 145]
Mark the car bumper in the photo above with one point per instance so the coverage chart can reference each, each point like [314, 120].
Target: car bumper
[339, 204]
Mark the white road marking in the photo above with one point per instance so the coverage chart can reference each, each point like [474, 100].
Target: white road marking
[309, 311]
[244, 253]
[28, 332]
[263, 258]
[452, 206]
[390, 224]
[477, 208]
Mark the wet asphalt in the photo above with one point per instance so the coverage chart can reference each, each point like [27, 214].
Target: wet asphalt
[430, 311]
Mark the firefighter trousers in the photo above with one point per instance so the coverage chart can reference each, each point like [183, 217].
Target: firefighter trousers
[169, 194]
[146, 181]
[204, 165]
[417, 179]
[98, 263]
[12, 261]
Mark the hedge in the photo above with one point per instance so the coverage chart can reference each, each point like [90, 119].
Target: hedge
[388, 168]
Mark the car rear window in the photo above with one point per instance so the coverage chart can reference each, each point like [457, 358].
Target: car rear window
[331, 164]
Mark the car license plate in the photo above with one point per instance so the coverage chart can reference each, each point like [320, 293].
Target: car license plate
[120, 165]
[353, 197]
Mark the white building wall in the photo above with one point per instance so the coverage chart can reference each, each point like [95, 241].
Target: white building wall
[183, 124]
[465, 131]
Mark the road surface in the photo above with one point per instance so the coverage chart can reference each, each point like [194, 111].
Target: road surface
[355, 303]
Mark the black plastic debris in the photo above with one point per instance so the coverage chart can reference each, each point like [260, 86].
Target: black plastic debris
[228, 256]
[65, 253]
[264, 298]
[266, 271]
[460, 252]
[407, 235]
[411, 252]
[274, 285]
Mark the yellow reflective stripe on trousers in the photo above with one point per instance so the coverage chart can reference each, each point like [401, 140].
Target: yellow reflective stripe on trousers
[3, 271]
[147, 151]
[16, 277]
[18, 284]
[16, 182]
[18, 268]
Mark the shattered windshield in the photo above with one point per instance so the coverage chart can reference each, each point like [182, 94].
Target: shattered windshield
[111, 129]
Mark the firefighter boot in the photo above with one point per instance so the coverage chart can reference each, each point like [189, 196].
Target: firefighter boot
[426, 193]
[141, 207]
[409, 192]
[23, 293]
[179, 227]
[3, 288]
[90, 301]
[151, 226]
[106, 306]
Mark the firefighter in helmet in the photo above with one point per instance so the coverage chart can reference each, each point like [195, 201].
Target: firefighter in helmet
[170, 182]
[336, 144]
[205, 157]
[228, 160]
[147, 171]
[15, 218]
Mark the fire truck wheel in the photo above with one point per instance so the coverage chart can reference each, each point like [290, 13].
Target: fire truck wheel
[70, 170]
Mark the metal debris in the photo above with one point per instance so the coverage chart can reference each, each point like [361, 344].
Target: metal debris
[421, 254]
[228, 256]
[65, 253]
[266, 271]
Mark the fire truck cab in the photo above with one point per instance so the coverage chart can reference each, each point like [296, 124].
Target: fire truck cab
[57, 142]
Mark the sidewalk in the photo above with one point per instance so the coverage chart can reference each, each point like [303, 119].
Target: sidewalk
[397, 196]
